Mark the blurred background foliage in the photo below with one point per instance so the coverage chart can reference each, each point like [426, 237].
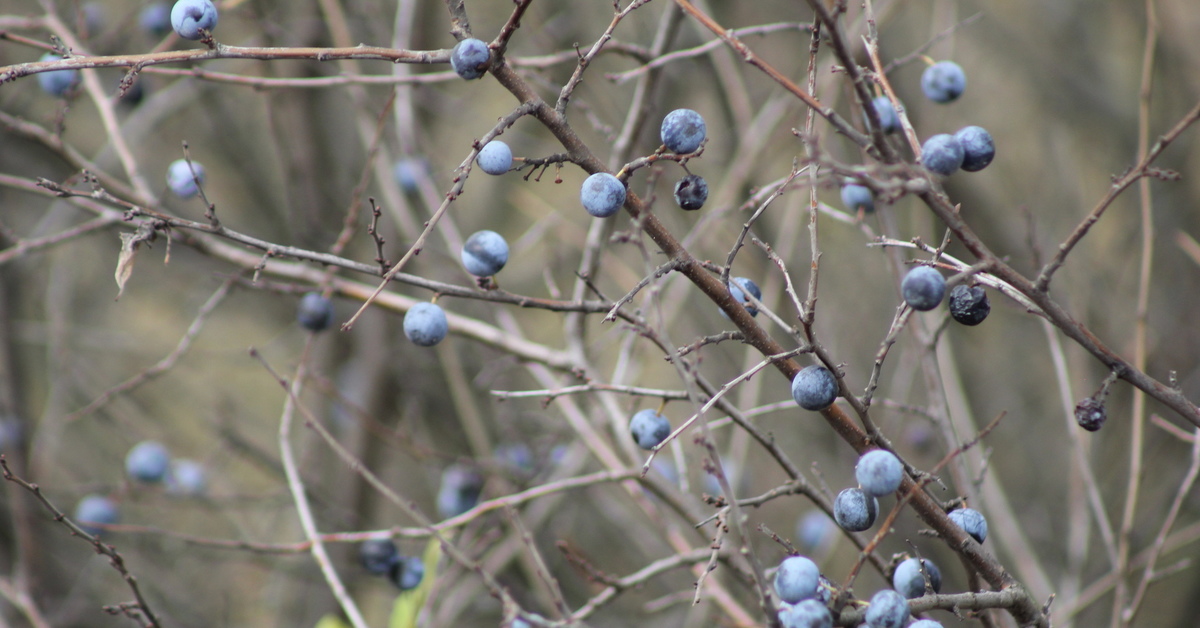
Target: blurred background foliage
[1055, 83]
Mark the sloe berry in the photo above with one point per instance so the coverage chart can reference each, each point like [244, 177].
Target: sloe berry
[683, 131]
[495, 157]
[602, 194]
[923, 288]
[485, 253]
[942, 154]
[856, 197]
[909, 580]
[971, 521]
[96, 509]
[797, 579]
[691, 192]
[58, 82]
[649, 428]
[470, 58]
[943, 82]
[148, 461]
[425, 324]
[315, 312]
[738, 288]
[879, 472]
[854, 510]
[378, 555]
[188, 17]
[969, 305]
[806, 614]
[180, 179]
[978, 148]
[888, 609]
[814, 388]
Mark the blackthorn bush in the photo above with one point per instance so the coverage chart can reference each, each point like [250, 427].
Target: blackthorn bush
[340, 143]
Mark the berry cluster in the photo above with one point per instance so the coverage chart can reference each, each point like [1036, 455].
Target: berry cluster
[381, 557]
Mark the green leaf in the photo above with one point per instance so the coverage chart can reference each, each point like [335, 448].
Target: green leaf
[331, 621]
[409, 603]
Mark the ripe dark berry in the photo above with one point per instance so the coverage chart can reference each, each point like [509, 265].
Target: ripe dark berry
[378, 555]
[969, 306]
[738, 287]
[978, 148]
[879, 472]
[797, 579]
[683, 131]
[485, 253]
[1090, 414]
[856, 197]
[923, 288]
[971, 521]
[407, 572]
[888, 609]
[470, 58]
[909, 580]
[315, 312]
[854, 510]
[889, 122]
[459, 490]
[943, 82]
[602, 194]
[814, 388]
[942, 154]
[691, 192]
[649, 428]
[425, 324]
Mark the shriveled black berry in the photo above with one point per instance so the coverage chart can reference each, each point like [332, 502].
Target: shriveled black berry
[691, 192]
[1090, 414]
[969, 305]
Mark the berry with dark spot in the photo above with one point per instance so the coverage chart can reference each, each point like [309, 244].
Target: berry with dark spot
[378, 555]
[407, 572]
[942, 154]
[806, 614]
[943, 82]
[738, 287]
[978, 148]
[856, 197]
[912, 575]
[315, 312]
[889, 122]
[459, 491]
[683, 131]
[854, 510]
[649, 428]
[888, 609]
[188, 17]
[971, 521]
[602, 194]
[470, 58]
[485, 253]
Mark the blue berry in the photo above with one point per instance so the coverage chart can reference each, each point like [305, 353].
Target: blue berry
[738, 288]
[649, 428]
[856, 197]
[806, 614]
[315, 312]
[943, 81]
[969, 306]
[691, 192]
[797, 579]
[189, 16]
[814, 530]
[854, 510]
[425, 324]
[879, 472]
[148, 462]
[978, 148]
[96, 509]
[942, 154]
[909, 580]
[889, 122]
[180, 179]
[888, 609]
[683, 131]
[925, 623]
[470, 58]
[459, 491]
[972, 522]
[814, 388]
[378, 555]
[602, 194]
[186, 477]
[58, 82]
[923, 288]
[485, 253]
[409, 171]
[495, 157]
[407, 572]
[155, 19]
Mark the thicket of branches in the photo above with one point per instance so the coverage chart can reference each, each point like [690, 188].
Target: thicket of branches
[1083, 232]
